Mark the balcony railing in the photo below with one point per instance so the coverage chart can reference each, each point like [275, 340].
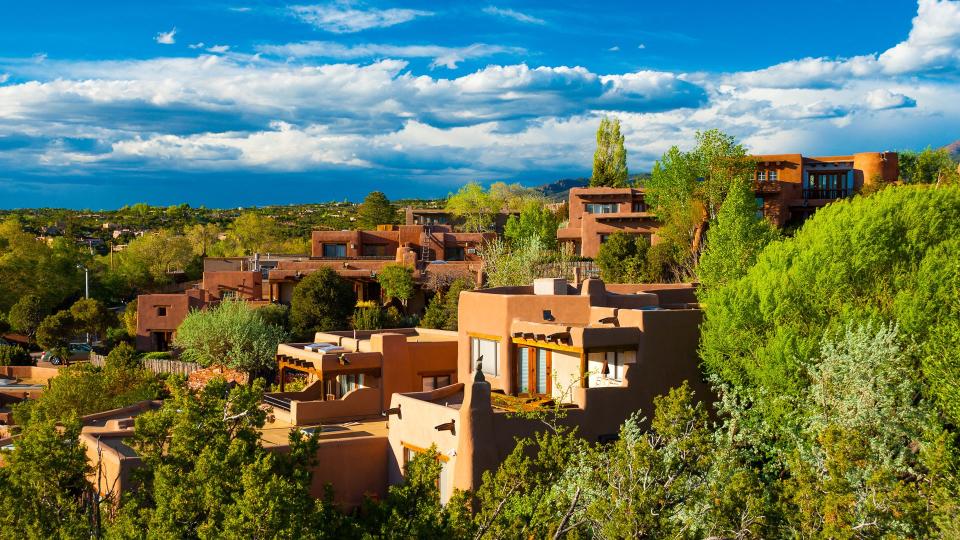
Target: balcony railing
[766, 186]
[826, 193]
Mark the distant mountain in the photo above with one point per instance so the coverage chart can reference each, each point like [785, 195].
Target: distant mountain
[954, 149]
[560, 189]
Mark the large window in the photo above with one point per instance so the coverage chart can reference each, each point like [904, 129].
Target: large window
[373, 250]
[334, 250]
[432, 382]
[639, 206]
[533, 370]
[761, 176]
[597, 208]
[453, 253]
[773, 176]
[614, 367]
[488, 349]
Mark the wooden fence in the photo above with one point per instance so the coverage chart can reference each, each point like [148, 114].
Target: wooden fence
[156, 365]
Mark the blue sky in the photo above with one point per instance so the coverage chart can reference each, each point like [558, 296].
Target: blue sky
[228, 104]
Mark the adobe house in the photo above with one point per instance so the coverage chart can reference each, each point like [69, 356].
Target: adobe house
[598, 212]
[437, 216]
[788, 189]
[352, 378]
[599, 352]
[791, 187]
[159, 315]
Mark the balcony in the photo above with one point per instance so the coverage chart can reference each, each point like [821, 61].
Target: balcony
[826, 193]
[766, 186]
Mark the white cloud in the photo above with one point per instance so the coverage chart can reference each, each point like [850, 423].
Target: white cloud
[933, 43]
[199, 45]
[615, 48]
[513, 14]
[219, 49]
[448, 57]
[343, 18]
[882, 98]
[166, 38]
[641, 46]
[4, 77]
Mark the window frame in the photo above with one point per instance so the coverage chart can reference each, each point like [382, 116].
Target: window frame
[475, 353]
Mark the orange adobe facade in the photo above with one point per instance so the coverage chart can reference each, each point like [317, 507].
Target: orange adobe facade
[788, 189]
[791, 187]
[599, 352]
[597, 212]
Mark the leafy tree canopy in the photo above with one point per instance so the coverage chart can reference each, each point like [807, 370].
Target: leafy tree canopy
[610, 158]
[376, 210]
[322, 301]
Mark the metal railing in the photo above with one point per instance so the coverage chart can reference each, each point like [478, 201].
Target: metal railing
[826, 193]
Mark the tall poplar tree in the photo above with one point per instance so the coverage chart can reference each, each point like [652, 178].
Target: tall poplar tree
[610, 159]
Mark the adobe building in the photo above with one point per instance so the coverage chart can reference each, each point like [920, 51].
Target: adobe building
[159, 315]
[599, 352]
[431, 217]
[791, 187]
[598, 212]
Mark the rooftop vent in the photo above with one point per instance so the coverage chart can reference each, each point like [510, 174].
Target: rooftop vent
[549, 286]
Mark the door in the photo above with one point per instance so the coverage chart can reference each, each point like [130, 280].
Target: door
[534, 371]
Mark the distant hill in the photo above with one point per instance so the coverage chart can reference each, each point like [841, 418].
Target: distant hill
[560, 189]
[954, 149]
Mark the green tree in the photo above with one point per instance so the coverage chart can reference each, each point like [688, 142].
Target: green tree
[130, 318]
[443, 307]
[396, 281]
[91, 316]
[26, 315]
[206, 475]
[123, 357]
[610, 158]
[43, 489]
[686, 189]
[148, 261]
[32, 267]
[231, 334]
[322, 301]
[55, 333]
[513, 197]
[255, 233]
[475, 206]
[735, 239]
[623, 258]
[534, 220]
[202, 237]
[14, 355]
[928, 166]
[376, 210]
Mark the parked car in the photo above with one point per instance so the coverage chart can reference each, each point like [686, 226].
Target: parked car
[78, 351]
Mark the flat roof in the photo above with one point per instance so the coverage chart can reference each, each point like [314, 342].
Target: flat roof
[277, 432]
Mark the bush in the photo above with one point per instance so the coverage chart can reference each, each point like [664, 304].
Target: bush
[123, 356]
[368, 316]
[158, 355]
[322, 301]
[14, 355]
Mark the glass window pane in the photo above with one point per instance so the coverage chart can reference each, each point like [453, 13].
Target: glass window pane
[443, 380]
[428, 384]
[524, 367]
[541, 371]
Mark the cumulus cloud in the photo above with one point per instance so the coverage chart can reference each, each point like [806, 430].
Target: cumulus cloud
[166, 38]
[933, 43]
[449, 57]
[513, 14]
[344, 18]
[218, 49]
[364, 109]
[615, 48]
[881, 99]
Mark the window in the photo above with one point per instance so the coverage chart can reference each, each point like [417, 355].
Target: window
[453, 253]
[345, 384]
[773, 176]
[374, 250]
[488, 349]
[161, 311]
[761, 176]
[614, 365]
[334, 250]
[227, 294]
[432, 382]
[596, 208]
[759, 207]
[533, 370]
[639, 206]
[603, 238]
